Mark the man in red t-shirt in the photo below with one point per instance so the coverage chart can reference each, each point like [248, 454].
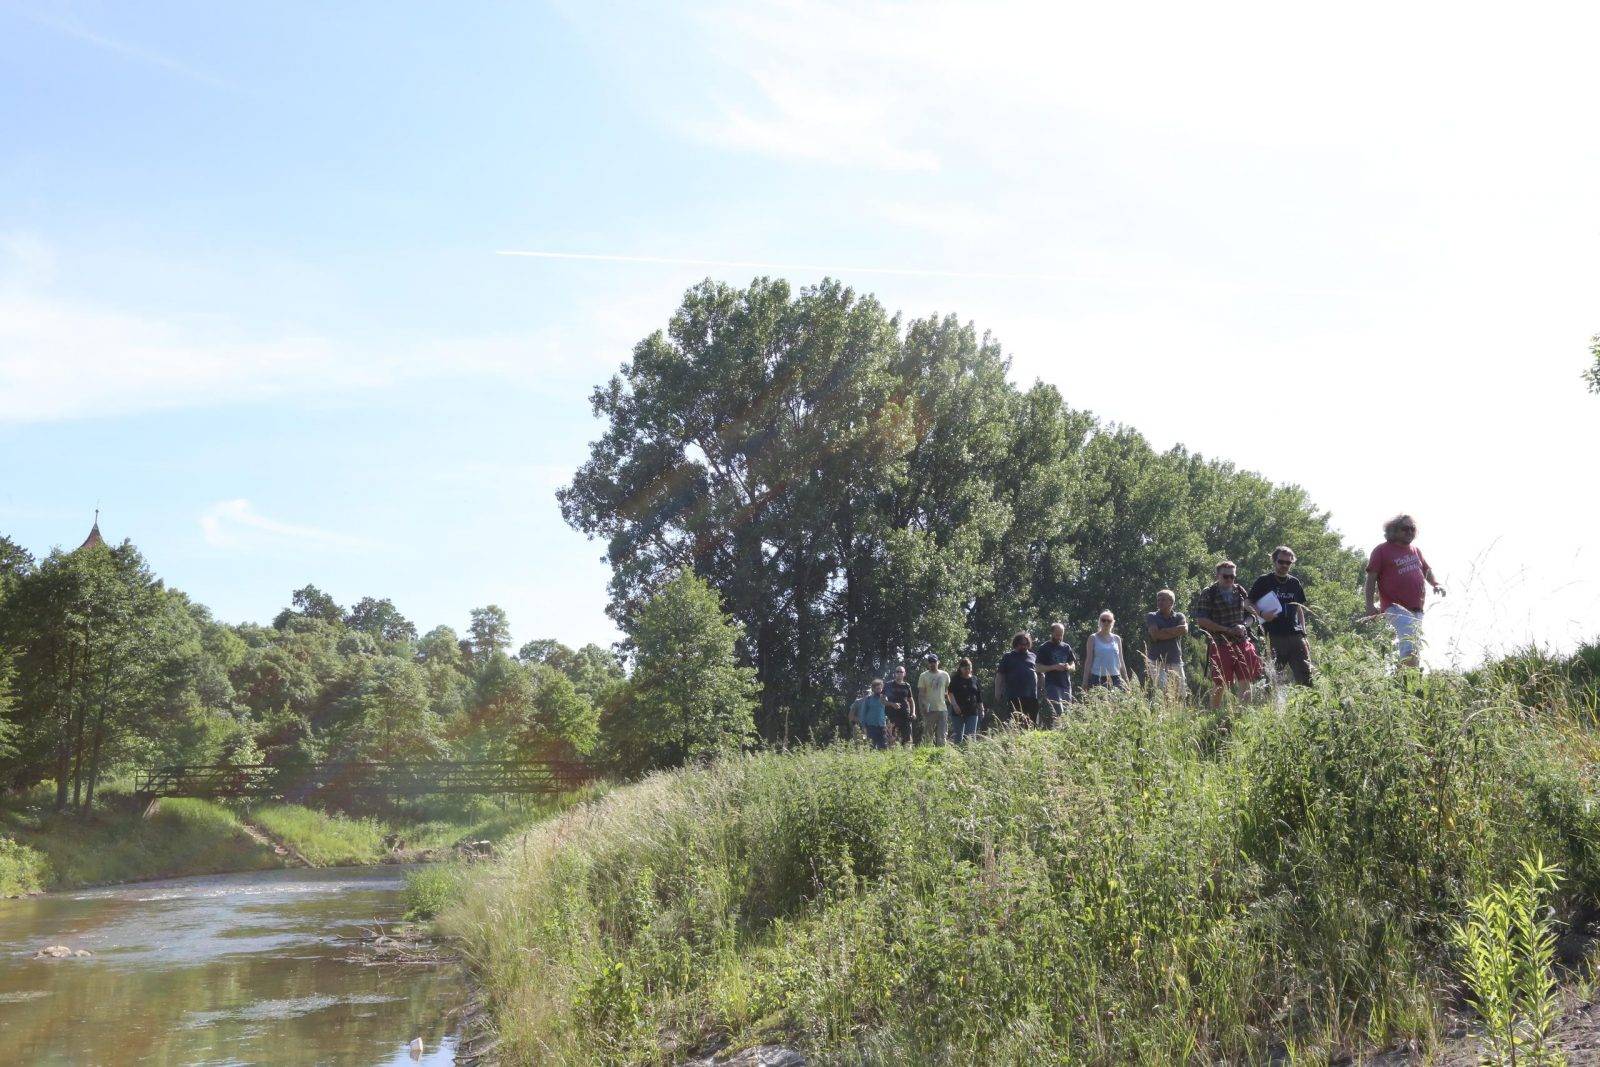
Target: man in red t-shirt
[1398, 575]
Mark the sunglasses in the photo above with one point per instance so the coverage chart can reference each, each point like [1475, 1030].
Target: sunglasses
[1227, 576]
[1283, 562]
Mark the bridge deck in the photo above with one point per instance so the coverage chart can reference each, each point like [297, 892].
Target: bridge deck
[420, 778]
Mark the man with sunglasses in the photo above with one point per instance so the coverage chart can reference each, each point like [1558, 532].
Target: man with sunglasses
[1221, 610]
[1286, 624]
[1396, 573]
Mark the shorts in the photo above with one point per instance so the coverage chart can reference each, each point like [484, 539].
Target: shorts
[1097, 681]
[1289, 650]
[1407, 626]
[1233, 661]
[878, 735]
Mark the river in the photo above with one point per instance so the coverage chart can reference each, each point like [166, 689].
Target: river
[265, 967]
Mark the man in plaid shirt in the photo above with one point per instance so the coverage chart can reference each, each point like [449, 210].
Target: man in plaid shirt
[1221, 611]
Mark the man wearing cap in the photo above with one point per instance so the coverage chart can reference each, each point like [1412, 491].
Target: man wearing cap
[933, 694]
[1221, 611]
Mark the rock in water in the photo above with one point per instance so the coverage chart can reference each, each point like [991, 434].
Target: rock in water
[60, 952]
[416, 1048]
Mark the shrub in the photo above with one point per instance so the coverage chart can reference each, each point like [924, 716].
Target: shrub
[22, 870]
[1121, 889]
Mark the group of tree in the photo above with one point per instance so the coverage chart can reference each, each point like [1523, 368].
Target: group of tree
[102, 668]
[797, 491]
[860, 490]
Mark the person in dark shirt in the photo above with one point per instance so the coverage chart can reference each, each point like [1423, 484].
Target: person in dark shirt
[1286, 630]
[902, 706]
[1016, 681]
[1056, 662]
[969, 701]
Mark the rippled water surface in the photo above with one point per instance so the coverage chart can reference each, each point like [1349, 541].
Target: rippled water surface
[263, 967]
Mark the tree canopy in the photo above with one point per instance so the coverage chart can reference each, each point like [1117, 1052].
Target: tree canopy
[102, 666]
[860, 490]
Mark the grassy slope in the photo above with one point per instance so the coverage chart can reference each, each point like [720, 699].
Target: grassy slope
[115, 844]
[40, 850]
[1135, 887]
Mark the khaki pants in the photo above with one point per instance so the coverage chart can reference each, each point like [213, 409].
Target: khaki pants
[936, 726]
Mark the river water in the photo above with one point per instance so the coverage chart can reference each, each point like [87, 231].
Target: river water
[265, 967]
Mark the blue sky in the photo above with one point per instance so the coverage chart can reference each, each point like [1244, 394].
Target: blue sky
[250, 301]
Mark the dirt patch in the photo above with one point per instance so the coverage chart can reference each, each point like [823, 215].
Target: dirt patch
[1577, 1033]
[283, 849]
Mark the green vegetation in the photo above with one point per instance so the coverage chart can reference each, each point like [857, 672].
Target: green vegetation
[1130, 888]
[104, 669]
[324, 840]
[41, 849]
[430, 890]
[689, 697]
[861, 490]
[23, 870]
[115, 843]
[1508, 950]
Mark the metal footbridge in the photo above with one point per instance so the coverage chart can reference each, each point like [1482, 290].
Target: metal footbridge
[395, 779]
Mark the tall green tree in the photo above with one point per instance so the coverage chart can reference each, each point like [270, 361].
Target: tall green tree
[309, 602]
[381, 619]
[490, 633]
[1592, 375]
[860, 491]
[689, 697]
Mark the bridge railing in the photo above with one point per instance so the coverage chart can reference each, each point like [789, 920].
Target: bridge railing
[418, 778]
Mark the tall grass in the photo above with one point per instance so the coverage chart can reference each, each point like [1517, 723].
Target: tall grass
[323, 839]
[1120, 890]
[115, 843]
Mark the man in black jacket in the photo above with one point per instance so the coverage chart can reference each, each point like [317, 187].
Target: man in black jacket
[1286, 629]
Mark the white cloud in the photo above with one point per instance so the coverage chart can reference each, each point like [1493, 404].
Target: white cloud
[63, 358]
[236, 524]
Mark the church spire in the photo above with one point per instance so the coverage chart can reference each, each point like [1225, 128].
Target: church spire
[94, 537]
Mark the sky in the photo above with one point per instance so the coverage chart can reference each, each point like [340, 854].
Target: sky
[254, 306]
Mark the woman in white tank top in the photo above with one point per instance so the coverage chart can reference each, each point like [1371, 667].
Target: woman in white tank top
[1103, 662]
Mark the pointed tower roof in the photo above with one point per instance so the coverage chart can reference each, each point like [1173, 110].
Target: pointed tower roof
[94, 537]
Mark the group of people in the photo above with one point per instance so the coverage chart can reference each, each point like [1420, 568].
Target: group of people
[1033, 685]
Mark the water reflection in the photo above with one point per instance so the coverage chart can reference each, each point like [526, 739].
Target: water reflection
[228, 969]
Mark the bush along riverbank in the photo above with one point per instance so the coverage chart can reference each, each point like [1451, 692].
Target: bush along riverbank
[42, 850]
[1143, 885]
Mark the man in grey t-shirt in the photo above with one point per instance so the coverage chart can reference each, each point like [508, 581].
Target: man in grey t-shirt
[1164, 650]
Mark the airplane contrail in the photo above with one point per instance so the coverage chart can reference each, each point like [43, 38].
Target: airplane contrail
[753, 265]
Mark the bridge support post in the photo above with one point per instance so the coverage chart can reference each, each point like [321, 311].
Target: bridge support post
[151, 808]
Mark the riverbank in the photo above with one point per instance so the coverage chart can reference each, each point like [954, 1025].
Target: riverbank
[41, 850]
[1143, 884]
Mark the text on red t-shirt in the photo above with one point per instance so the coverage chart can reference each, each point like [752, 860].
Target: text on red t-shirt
[1399, 569]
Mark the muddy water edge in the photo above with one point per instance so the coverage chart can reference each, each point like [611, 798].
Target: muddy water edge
[270, 967]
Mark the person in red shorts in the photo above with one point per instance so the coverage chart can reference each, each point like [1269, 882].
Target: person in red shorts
[1221, 611]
